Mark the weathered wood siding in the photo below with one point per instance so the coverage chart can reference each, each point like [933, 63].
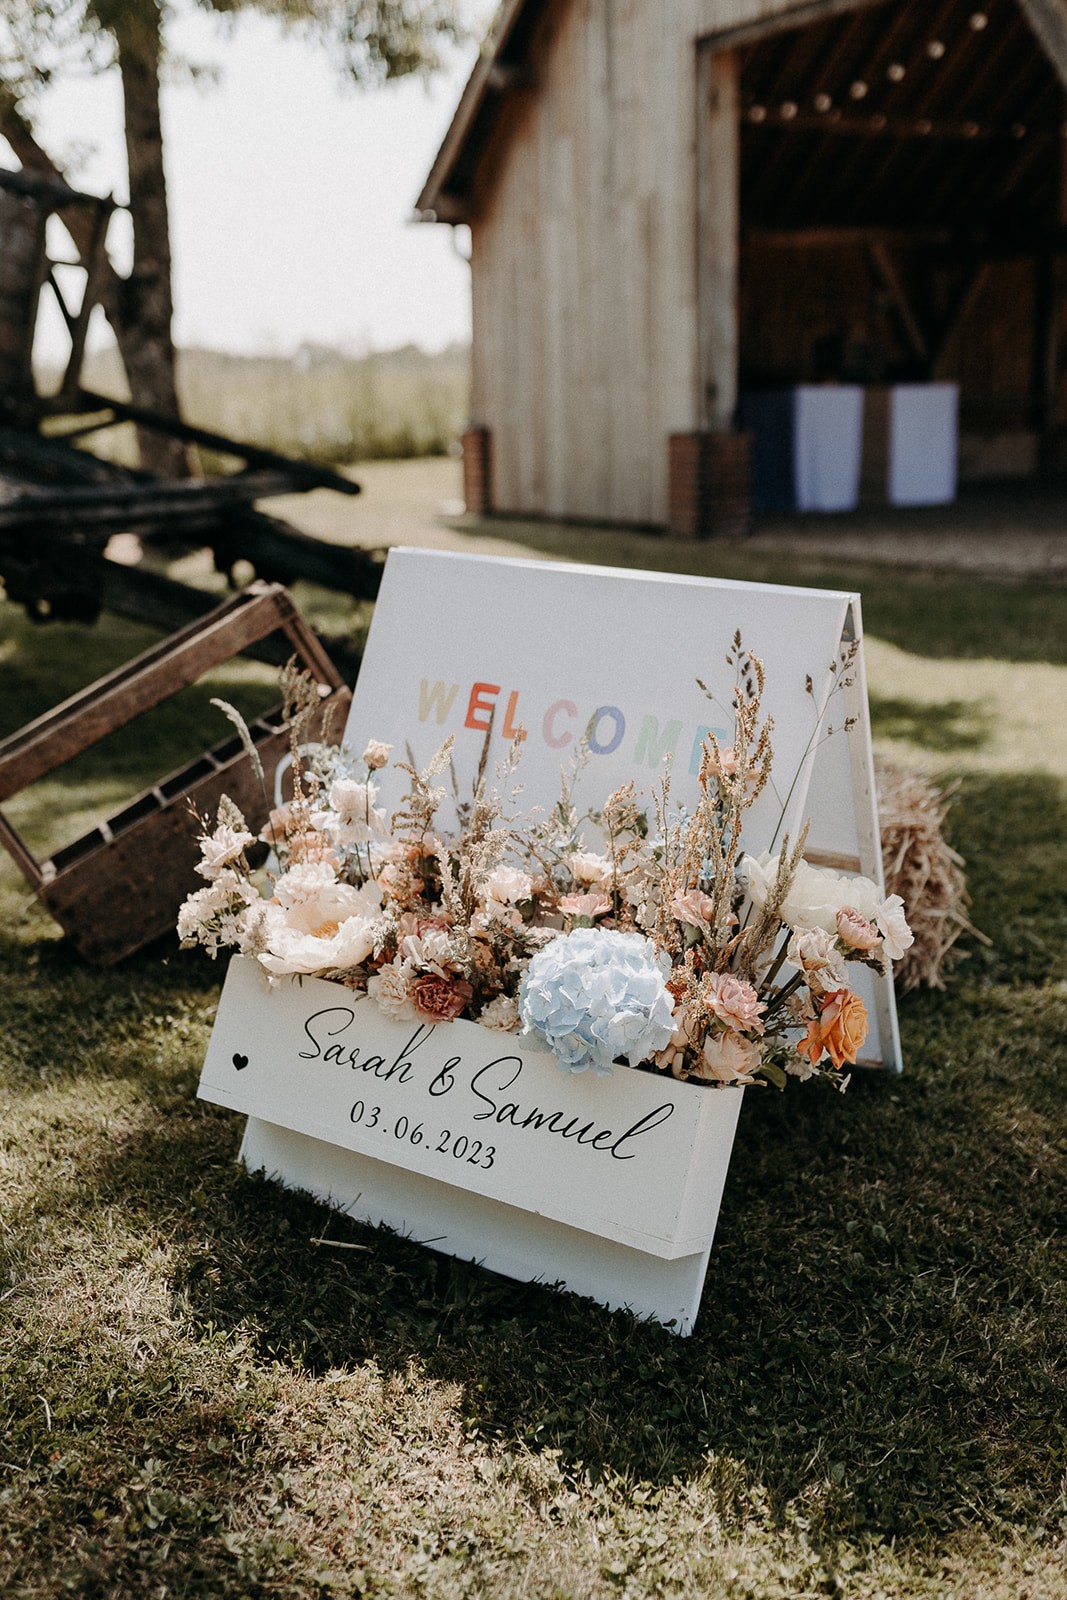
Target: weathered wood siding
[585, 260]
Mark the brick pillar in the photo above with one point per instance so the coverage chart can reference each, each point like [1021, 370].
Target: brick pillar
[708, 485]
[478, 471]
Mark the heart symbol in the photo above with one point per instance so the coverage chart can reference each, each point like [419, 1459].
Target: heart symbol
[240, 1062]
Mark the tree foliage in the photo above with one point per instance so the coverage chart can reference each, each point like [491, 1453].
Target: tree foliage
[369, 41]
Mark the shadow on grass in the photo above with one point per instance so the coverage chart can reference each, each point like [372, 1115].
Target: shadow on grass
[882, 1339]
[866, 1341]
[946, 726]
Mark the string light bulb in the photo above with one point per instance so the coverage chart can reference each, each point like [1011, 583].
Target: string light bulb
[935, 49]
[896, 72]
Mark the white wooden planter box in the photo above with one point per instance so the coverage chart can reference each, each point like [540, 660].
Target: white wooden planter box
[474, 1142]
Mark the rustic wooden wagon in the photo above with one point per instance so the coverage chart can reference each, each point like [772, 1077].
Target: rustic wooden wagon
[60, 507]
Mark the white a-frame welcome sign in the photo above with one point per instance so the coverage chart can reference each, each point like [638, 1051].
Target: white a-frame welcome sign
[470, 1140]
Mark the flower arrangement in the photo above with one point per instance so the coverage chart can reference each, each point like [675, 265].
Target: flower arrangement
[656, 940]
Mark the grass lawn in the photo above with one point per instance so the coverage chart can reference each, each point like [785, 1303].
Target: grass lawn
[197, 1399]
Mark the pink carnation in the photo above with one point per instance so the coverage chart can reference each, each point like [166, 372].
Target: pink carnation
[439, 999]
[734, 1001]
[856, 930]
[585, 905]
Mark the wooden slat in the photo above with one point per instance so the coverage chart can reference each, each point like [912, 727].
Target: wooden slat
[887, 271]
[733, 36]
[308, 474]
[126, 505]
[96, 268]
[151, 678]
[1049, 21]
[835, 860]
[23, 858]
[150, 854]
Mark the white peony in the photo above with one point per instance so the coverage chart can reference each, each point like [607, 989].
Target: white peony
[505, 886]
[306, 881]
[429, 951]
[341, 947]
[816, 894]
[353, 798]
[325, 927]
[892, 925]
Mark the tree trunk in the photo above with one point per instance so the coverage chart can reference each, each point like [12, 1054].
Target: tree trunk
[121, 301]
[146, 305]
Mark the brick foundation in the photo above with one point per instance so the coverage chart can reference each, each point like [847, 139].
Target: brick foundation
[708, 485]
[478, 471]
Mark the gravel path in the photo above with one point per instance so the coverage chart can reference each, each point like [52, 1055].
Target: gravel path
[1003, 531]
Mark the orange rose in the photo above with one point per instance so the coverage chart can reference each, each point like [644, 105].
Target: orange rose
[840, 1028]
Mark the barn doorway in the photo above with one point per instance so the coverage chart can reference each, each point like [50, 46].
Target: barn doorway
[903, 218]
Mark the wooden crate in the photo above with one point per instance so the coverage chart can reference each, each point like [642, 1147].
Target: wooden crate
[120, 886]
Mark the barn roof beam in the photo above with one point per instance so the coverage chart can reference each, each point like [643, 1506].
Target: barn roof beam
[879, 126]
[817, 45]
[907, 315]
[896, 39]
[1048, 19]
[797, 17]
[973, 246]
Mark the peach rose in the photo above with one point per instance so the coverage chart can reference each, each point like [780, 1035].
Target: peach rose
[377, 754]
[312, 846]
[400, 881]
[725, 766]
[839, 1030]
[693, 907]
[727, 1058]
[684, 1041]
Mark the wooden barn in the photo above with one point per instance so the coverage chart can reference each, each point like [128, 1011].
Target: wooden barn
[690, 217]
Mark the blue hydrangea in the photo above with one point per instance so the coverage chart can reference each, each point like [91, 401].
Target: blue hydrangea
[595, 996]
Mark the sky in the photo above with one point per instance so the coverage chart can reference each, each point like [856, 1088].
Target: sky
[291, 194]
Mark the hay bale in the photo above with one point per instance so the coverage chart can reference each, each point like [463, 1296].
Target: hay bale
[922, 867]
